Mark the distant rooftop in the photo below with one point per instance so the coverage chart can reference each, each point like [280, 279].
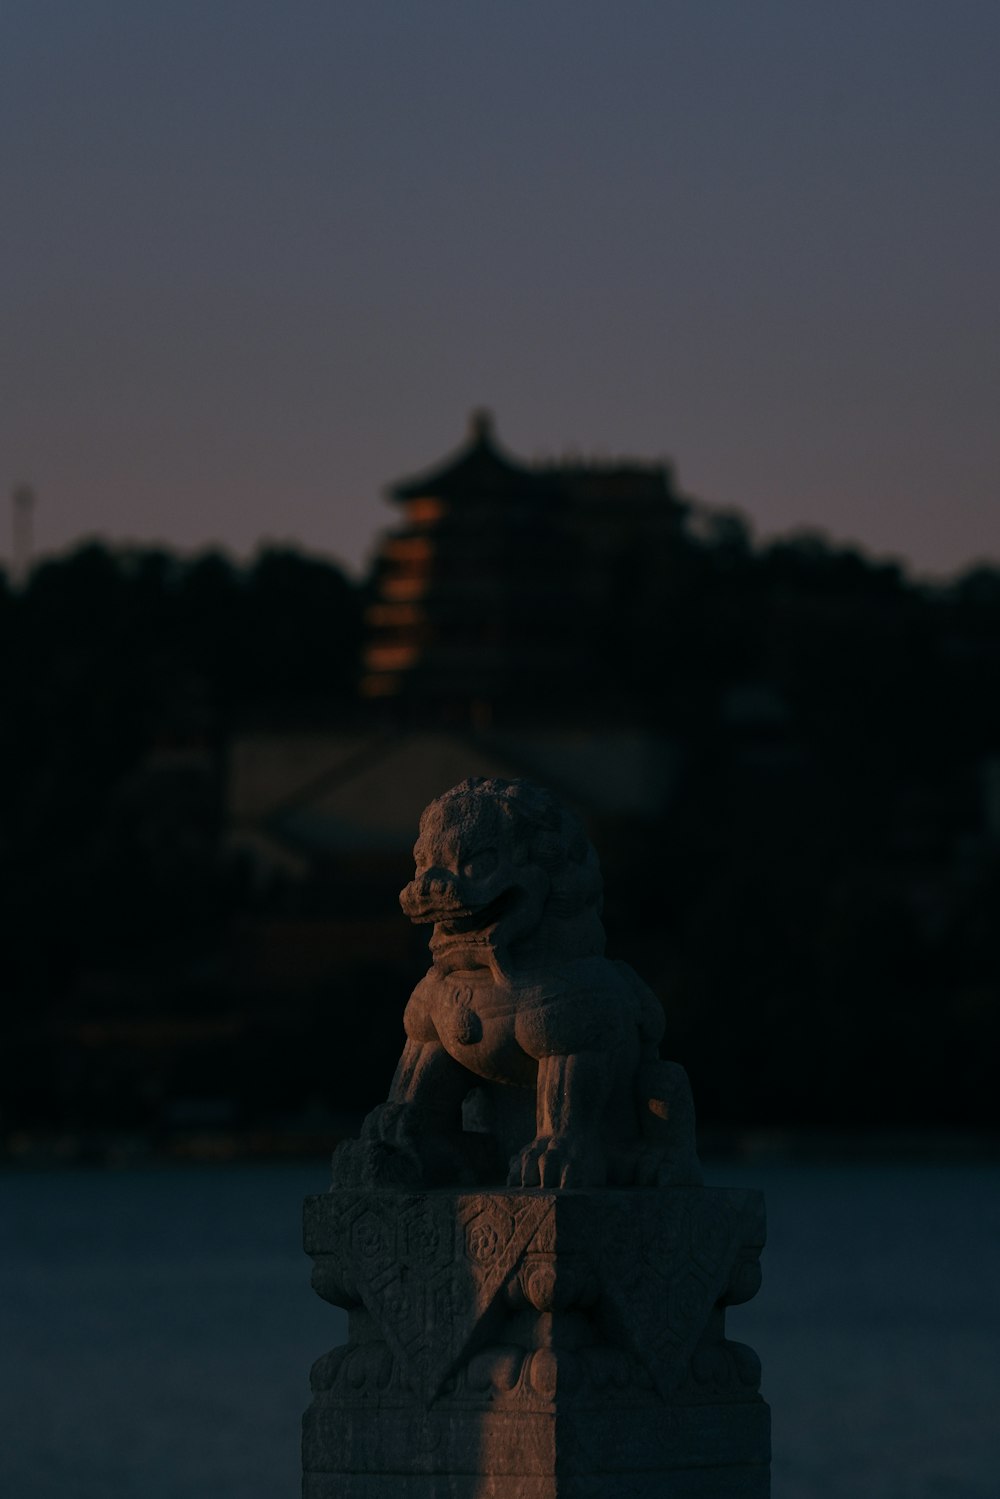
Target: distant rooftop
[480, 467]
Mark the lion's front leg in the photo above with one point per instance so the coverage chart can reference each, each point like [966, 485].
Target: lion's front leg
[414, 1138]
[422, 1117]
[428, 1077]
[567, 1150]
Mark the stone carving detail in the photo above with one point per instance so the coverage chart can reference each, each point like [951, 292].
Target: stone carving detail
[535, 1278]
[530, 1059]
[431, 1271]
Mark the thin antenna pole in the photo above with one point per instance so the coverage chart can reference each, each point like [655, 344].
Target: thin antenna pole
[22, 533]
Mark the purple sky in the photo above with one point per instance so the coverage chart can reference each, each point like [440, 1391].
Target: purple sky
[261, 257]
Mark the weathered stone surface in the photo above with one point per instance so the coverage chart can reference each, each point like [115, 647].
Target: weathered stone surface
[545, 1337]
[691, 1483]
[535, 1279]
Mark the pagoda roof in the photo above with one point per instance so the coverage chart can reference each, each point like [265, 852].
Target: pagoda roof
[478, 467]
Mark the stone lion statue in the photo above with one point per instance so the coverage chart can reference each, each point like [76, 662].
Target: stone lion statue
[530, 1058]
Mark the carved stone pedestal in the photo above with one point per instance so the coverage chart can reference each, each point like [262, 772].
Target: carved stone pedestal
[536, 1344]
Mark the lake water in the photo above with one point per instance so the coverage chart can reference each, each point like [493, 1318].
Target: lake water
[157, 1328]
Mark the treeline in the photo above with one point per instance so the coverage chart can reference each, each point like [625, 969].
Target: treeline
[106, 659]
[819, 905]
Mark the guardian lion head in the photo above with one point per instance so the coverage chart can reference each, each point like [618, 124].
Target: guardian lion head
[499, 864]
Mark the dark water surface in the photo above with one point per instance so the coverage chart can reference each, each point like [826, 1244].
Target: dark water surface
[157, 1328]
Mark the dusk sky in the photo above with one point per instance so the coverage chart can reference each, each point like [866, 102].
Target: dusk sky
[261, 258]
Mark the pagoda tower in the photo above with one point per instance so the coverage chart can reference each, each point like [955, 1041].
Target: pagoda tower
[493, 594]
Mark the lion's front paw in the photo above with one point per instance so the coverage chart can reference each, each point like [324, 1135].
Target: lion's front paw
[558, 1161]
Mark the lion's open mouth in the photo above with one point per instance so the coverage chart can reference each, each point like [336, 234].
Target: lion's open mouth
[478, 922]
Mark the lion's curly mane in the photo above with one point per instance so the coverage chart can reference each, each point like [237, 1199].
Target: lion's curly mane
[543, 832]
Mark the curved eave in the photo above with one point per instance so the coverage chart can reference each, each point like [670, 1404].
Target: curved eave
[479, 467]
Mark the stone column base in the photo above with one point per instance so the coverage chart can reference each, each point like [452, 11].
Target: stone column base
[706, 1452]
[537, 1345]
[695, 1483]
